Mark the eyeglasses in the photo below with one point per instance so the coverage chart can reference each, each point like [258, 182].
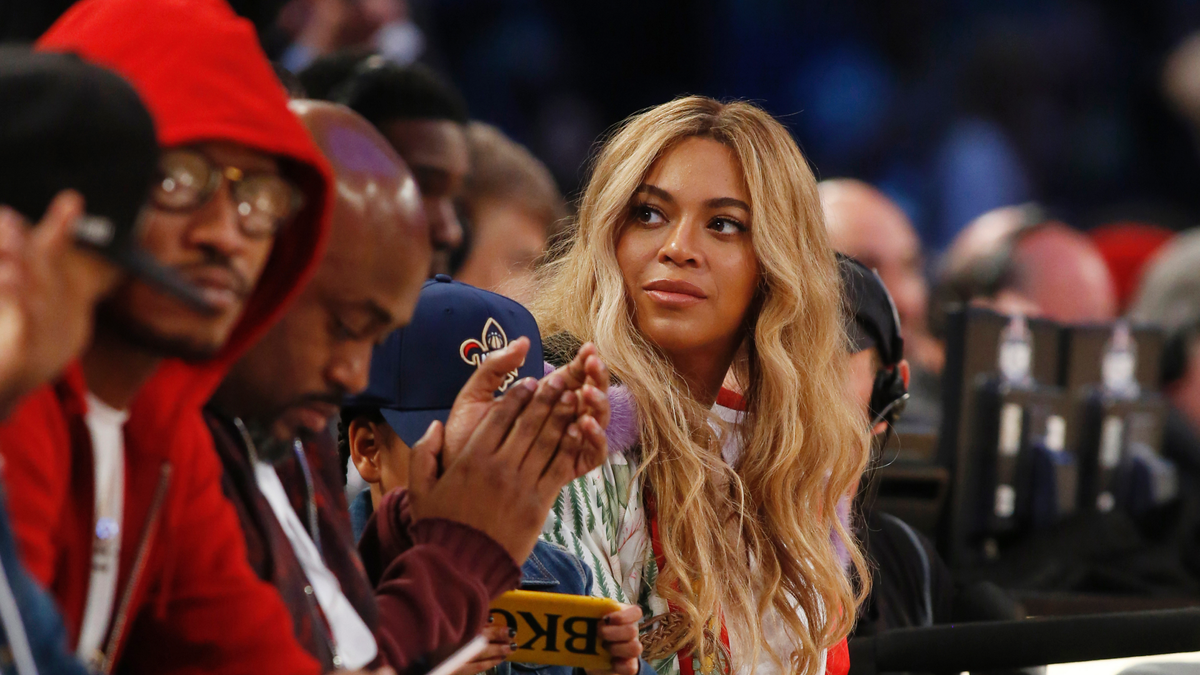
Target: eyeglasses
[265, 202]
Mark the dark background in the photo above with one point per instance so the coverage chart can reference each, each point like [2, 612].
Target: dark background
[953, 108]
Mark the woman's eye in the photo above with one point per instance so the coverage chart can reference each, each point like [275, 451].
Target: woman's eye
[726, 226]
[648, 215]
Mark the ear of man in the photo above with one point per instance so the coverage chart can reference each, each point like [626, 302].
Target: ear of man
[364, 449]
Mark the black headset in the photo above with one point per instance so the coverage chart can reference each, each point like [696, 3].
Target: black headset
[889, 394]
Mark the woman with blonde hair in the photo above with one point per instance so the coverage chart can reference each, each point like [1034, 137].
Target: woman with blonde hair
[701, 233]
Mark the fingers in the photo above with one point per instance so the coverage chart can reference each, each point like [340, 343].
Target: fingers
[531, 420]
[491, 432]
[55, 230]
[596, 404]
[595, 446]
[583, 447]
[492, 372]
[544, 447]
[629, 615]
[499, 635]
[423, 461]
[597, 373]
[625, 666]
[575, 374]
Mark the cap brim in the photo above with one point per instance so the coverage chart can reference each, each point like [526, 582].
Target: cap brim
[143, 266]
[411, 425]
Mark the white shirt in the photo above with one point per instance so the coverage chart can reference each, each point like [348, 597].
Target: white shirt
[106, 426]
[354, 645]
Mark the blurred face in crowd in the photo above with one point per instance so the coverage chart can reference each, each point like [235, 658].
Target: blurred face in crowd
[380, 456]
[294, 379]
[437, 154]
[506, 240]
[864, 224]
[209, 247]
[686, 254]
[1063, 273]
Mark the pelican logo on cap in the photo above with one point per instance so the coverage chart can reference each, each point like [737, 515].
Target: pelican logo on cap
[493, 339]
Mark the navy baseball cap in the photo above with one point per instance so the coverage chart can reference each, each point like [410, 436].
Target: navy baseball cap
[417, 372]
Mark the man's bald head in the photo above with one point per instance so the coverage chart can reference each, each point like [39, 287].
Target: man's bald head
[864, 224]
[377, 212]
[366, 286]
[1014, 259]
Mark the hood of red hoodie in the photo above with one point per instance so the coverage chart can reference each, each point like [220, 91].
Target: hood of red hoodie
[201, 72]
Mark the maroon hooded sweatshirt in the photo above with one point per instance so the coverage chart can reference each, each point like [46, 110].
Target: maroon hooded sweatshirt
[187, 602]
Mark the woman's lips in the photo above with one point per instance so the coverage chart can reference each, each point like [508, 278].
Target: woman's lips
[674, 293]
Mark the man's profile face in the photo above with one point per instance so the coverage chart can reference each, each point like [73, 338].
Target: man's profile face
[437, 153]
[863, 367]
[208, 248]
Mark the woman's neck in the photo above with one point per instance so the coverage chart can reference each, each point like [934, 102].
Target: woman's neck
[115, 369]
[704, 371]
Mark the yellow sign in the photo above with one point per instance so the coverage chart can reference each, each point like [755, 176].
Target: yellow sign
[555, 629]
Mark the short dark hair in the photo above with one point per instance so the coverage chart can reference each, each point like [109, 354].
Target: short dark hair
[346, 418]
[382, 91]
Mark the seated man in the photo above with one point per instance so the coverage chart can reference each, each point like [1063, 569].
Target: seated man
[115, 489]
[416, 375]
[73, 136]
[268, 416]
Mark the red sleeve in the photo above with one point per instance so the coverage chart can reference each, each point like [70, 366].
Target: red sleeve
[212, 614]
[837, 662]
[434, 581]
[36, 448]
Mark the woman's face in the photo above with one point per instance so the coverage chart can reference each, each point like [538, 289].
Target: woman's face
[685, 252]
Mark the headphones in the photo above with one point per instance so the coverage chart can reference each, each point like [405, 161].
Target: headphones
[889, 394]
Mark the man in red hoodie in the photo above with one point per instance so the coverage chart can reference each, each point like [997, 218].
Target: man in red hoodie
[115, 486]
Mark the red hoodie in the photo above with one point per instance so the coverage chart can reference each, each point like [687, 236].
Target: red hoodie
[187, 601]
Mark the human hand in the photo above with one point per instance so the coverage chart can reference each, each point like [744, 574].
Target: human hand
[619, 633]
[528, 445]
[46, 297]
[500, 645]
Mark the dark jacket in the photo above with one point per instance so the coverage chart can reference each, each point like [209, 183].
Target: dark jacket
[30, 628]
[434, 579]
[270, 552]
[420, 598]
[186, 602]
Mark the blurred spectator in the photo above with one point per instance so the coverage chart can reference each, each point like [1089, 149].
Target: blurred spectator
[867, 226]
[423, 118]
[287, 387]
[64, 126]
[1126, 248]
[512, 208]
[320, 27]
[1170, 297]
[117, 501]
[1018, 261]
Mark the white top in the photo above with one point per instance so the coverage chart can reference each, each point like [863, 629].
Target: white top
[354, 645]
[106, 426]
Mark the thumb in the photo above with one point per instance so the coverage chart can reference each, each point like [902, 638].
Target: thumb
[492, 372]
[423, 460]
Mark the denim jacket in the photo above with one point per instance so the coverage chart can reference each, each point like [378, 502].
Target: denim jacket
[32, 638]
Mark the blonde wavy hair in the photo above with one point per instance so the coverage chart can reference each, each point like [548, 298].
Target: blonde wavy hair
[804, 447]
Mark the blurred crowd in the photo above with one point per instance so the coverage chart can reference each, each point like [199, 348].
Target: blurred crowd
[306, 358]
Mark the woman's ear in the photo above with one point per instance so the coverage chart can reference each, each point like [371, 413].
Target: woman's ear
[364, 449]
